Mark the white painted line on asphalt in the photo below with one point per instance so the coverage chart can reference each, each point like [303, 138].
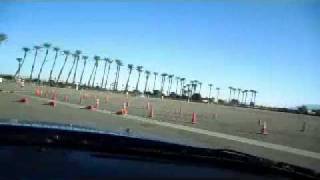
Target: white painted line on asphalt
[278, 147]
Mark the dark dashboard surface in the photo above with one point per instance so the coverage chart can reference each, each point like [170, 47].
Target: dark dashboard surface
[44, 163]
[39, 151]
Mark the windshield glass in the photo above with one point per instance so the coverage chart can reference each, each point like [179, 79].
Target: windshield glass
[239, 75]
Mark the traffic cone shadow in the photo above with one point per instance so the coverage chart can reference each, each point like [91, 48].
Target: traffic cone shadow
[51, 103]
[90, 107]
[23, 100]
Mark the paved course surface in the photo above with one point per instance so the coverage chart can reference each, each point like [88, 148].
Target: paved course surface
[217, 127]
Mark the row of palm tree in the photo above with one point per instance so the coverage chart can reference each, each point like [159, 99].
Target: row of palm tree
[232, 95]
[193, 87]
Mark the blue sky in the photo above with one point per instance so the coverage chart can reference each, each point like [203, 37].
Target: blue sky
[273, 47]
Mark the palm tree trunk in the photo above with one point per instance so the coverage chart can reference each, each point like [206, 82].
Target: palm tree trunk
[21, 64]
[210, 91]
[154, 82]
[73, 63]
[145, 86]
[118, 77]
[43, 62]
[115, 79]
[54, 63]
[177, 86]
[75, 71]
[127, 84]
[170, 85]
[217, 96]
[64, 63]
[34, 62]
[230, 95]
[89, 81]
[105, 84]
[245, 98]
[104, 72]
[84, 66]
[94, 76]
[162, 83]
[137, 85]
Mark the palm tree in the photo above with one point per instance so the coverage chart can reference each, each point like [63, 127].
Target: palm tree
[230, 89]
[3, 37]
[163, 79]
[189, 91]
[66, 53]
[139, 69]
[116, 81]
[245, 98]
[170, 83]
[218, 93]
[78, 52]
[130, 68]
[74, 55]
[26, 50]
[147, 79]
[106, 83]
[242, 98]
[234, 92]
[34, 59]
[104, 70]
[47, 46]
[177, 80]
[200, 85]
[19, 61]
[210, 87]
[194, 85]
[182, 80]
[96, 64]
[239, 91]
[84, 66]
[56, 49]
[89, 80]
[252, 92]
[155, 78]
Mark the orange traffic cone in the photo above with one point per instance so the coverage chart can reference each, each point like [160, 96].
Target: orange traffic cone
[37, 92]
[194, 118]
[264, 130]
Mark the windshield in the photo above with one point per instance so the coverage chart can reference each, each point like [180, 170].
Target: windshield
[239, 75]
